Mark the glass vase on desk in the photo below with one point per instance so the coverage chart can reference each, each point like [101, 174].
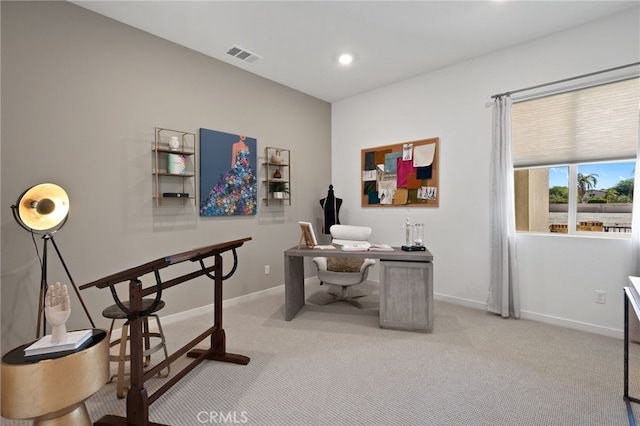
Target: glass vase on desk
[418, 235]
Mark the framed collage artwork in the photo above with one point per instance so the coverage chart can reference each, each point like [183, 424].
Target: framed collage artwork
[401, 175]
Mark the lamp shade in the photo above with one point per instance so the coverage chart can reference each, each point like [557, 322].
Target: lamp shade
[42, 208]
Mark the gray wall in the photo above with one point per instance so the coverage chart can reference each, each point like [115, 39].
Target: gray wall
[81, 97]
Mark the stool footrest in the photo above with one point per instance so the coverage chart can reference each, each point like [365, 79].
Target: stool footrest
[123, 357]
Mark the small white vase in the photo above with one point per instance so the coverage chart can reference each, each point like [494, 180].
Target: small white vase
[276, 158]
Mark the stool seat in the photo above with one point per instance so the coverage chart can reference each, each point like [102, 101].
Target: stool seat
[114, 311]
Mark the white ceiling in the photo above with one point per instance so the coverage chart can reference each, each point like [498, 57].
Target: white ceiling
[299, 41]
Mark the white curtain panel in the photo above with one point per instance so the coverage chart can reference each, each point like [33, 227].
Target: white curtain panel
[503, 288]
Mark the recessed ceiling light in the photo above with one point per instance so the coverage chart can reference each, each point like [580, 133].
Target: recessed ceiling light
[345, 58]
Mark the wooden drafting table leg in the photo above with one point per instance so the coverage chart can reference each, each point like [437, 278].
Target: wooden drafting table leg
[293, 285]
[137, 398]
[218, 351]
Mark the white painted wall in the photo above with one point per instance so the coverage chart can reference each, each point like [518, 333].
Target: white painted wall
[558, 274]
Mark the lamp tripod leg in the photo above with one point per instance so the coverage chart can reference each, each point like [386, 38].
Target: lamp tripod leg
[75, 288]
[43, 290]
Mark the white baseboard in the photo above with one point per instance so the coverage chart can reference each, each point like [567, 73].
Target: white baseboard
[576, 325]
[180, 316]
[548, 319]
[460, 301]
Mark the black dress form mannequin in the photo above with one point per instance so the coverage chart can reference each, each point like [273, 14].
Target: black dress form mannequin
[330, 209]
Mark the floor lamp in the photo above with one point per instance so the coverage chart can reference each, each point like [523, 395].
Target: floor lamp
[43, 209]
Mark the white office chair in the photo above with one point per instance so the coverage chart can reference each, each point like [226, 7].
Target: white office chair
[342, 271]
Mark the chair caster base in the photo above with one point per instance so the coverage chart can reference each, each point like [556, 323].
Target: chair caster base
[335, 297]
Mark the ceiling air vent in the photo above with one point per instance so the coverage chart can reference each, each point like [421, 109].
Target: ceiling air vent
[243, 54]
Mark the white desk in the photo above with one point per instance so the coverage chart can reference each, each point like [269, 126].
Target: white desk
[406, 285]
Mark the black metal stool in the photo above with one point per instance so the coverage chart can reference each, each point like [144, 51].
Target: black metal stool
[114, 313]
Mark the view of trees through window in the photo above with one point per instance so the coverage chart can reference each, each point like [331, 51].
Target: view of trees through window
[574, 156]
[604, 196]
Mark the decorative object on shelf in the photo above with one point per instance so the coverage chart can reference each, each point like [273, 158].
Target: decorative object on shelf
[175, 194]
[277, 158]
[227, 190]
[43, 209]
[278, 189]
[176, 164]
[277, 175]
[174, 143]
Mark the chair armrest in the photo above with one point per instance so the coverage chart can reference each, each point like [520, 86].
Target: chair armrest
[321, 263]
[366, 264]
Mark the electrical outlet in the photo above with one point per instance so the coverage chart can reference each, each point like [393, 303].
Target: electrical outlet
[601, 296]
[267, 270]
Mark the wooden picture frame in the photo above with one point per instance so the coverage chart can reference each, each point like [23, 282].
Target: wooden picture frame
[397, 175]
[307, 235]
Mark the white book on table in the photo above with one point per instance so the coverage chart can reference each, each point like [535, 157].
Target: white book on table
[380, 247]
[355, 247]
[75, 339]
[366, 246]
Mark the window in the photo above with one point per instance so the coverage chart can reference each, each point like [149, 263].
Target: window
[574, 159]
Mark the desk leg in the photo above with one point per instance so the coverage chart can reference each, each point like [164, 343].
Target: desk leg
[293, 285]
[406, 295]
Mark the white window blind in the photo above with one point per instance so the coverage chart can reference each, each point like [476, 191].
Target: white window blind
[593, 124]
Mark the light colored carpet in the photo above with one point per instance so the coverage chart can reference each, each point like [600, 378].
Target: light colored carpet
[333, 365]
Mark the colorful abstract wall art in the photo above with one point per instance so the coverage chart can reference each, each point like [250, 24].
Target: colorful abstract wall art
[228, 185]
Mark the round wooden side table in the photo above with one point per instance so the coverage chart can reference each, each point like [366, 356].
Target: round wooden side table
[52, 389]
